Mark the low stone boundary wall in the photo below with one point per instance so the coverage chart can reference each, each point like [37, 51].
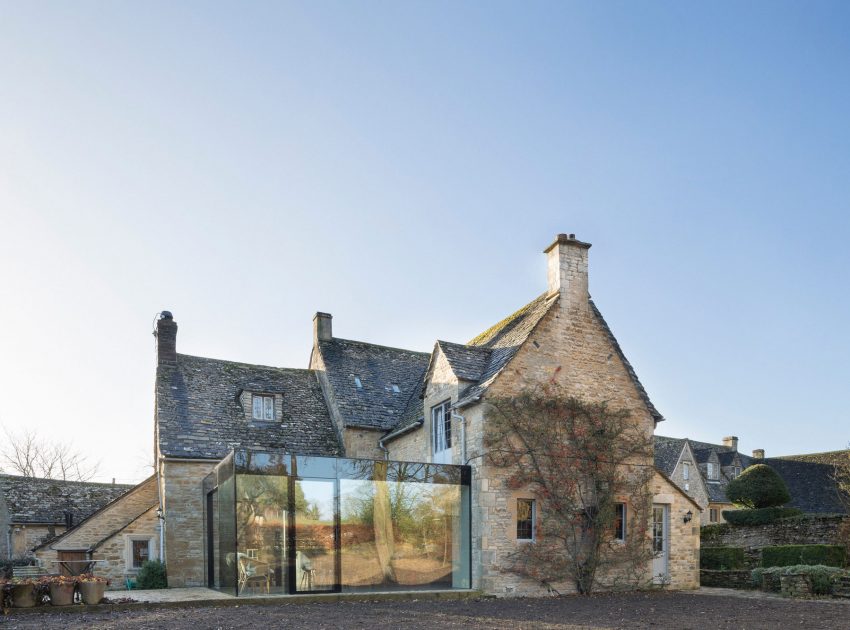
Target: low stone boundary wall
[812, 530]
[740, 579]
[796, 585]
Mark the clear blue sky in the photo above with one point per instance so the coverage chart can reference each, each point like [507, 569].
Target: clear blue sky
[402, 165]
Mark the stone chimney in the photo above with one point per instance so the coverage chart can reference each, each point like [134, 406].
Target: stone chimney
[731, 441]
[567, 264]
[166, 338]
[758, 453]
[322, 327]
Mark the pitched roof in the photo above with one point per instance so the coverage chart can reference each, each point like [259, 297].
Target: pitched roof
[199, 414]
[667, 452]
[467, 362]
[810, 482]
[34, 500]
[503, 340]
[375, 404]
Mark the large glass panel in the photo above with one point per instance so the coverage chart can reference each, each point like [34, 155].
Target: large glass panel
[261, 518]
[227, 530]
[403, 528]
[315, 535]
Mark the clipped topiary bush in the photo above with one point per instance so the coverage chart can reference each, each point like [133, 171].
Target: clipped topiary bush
[759, 516]
[791, 555]
[721, 558]
[758, 486]
[152, 575]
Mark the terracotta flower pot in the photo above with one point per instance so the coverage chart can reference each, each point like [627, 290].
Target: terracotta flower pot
[23, 596]
[61, 594]
[92, 592]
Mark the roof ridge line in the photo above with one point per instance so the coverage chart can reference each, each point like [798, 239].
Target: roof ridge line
[252, 365]
[376, 345]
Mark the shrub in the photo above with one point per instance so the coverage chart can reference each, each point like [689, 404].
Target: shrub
[721, 558]
[758, 486]
[790, 555]
[759, 516]
[152, 575]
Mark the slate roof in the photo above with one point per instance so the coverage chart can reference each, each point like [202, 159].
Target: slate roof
[375, 404]
[467, 362]
[34, 500]
[811, 480]
[199, 414]
[667, 451]
[504, 340]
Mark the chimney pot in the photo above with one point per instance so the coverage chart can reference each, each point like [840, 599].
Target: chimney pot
[758, 453]
[731, 441]
[166, 338]
[567, 270]
[322, 327]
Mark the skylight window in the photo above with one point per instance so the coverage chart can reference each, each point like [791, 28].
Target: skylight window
[396, 389]
[357, 382]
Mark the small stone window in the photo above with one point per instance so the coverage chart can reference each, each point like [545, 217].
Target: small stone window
[712, 515]
[620, 522]
[263, 407]
[525, 519]
[686, 471]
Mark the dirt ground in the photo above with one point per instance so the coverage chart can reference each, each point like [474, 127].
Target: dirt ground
[656, 610]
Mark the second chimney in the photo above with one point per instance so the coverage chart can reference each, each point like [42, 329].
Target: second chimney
[322, 327]
[758, 453]
[731, 441]
[166, 338]
[567, 270]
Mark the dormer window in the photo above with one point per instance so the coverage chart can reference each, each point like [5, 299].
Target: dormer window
[711, 472]
[263, 407]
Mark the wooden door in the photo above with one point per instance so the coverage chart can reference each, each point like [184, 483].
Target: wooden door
[74, 556]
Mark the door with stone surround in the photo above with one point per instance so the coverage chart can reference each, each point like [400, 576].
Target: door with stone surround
[660, 543]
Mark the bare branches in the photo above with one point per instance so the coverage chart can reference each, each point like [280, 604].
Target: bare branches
[582, 461]
[30, 455]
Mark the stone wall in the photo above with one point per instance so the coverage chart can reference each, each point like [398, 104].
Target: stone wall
[741, 579]
[183, 503]
[26, 537]
[362, 443]
[115, 551]
[809, 530]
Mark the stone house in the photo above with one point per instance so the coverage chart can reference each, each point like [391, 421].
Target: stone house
[703, 471]
[33, 510]
[228, 432]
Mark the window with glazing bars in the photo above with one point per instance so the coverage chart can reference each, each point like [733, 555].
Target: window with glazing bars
[525, 519]
[441, 426]
[263, 407]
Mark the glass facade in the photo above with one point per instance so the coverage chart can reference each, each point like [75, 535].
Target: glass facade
[282, 523]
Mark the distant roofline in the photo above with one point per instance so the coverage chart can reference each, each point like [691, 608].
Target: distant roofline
[243, 364]
[104, 484]
[374, 345]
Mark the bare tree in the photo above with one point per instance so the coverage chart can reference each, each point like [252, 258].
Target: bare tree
[580, 460]
[30, 455]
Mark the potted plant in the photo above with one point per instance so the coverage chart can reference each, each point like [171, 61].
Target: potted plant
[25, 592]
[92, 588]
[61, 588]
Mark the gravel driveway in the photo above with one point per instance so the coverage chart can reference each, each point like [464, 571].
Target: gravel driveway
[643, 610]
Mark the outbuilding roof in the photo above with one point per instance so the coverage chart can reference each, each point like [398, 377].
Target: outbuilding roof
[46, 501]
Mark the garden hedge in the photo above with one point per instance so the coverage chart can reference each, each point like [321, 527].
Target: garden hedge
[759, 516]
[823, 577]
[790, 555]
[721, 558]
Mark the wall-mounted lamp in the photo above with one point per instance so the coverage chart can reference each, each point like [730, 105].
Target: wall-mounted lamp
[159, 514]
[688, 516]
